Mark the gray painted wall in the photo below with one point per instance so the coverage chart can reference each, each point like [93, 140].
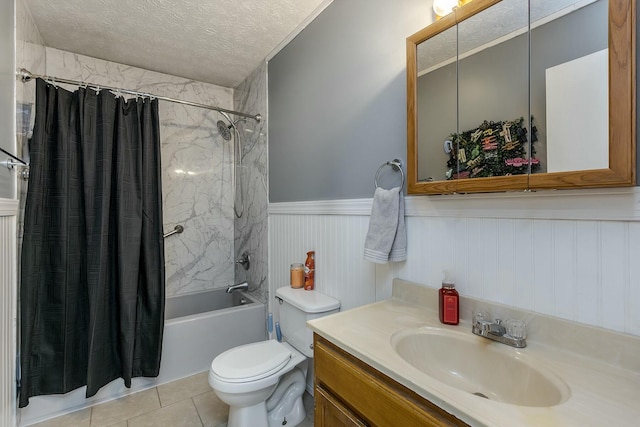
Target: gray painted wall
[7, 98]
[337, 100]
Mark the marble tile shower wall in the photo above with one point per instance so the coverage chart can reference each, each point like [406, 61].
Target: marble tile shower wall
[197, 168]
[30, 54]
[251, 228]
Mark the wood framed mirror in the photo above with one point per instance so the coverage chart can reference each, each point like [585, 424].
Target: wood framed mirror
[510, 95]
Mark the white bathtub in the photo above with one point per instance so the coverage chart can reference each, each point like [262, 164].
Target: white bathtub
[220, 321]
[198, 327]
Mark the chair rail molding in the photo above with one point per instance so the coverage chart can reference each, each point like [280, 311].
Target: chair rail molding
[8, 207]
[615, 204]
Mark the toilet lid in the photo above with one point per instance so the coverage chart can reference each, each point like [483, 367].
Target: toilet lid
[251, 362]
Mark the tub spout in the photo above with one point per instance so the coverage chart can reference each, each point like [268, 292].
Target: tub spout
[243, 286]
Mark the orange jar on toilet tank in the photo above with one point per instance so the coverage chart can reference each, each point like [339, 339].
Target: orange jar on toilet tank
[297, 275]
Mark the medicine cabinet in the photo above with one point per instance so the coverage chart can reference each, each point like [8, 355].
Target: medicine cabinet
[508, 95]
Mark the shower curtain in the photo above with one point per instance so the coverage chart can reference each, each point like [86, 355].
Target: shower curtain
[92, 278]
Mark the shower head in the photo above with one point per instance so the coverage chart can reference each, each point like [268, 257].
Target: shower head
[224, 130]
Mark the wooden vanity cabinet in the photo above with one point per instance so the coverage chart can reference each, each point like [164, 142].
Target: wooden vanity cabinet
[331, 412]
[348, 392]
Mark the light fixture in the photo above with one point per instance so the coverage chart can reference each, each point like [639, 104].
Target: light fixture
[445, 7]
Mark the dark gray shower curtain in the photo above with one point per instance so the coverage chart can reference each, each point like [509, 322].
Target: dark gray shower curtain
[92, 278]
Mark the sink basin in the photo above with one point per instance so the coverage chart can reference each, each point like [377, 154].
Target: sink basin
[481, 367]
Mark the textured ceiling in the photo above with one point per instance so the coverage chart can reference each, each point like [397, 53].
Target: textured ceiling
[214, 41]
[502, 20]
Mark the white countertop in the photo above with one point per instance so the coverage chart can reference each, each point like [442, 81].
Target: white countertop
[602, 392]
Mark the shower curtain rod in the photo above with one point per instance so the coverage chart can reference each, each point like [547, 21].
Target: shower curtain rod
[27, 76]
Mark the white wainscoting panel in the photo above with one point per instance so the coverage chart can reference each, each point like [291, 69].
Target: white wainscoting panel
[341, 271]
[8, 209]
[614, 274]
[632, 292]
[585, 269]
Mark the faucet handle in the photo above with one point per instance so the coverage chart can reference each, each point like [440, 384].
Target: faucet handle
[480, 316]
[244, 260]
[516, 328]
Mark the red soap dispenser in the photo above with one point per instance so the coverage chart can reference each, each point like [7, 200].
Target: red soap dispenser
[449, 303]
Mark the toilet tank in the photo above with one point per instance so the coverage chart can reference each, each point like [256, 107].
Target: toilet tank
[296, 307]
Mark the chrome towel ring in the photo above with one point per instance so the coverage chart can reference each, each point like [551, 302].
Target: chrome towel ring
[396, 165]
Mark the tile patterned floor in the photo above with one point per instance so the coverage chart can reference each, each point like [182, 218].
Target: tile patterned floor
[188, 402]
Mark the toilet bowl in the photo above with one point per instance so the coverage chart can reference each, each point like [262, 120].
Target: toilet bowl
[246, 376]
[263, 382]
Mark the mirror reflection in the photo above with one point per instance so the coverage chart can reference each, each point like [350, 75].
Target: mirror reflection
[569, 84]
[493, 86]
[437, 103]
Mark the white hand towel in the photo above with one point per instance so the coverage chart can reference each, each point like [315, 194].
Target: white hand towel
[399, 247]
[387, 236]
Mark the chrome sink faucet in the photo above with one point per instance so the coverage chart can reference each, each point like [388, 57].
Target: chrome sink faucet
[513, 334]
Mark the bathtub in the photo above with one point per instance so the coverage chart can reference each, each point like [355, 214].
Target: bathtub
[201, 325]
[198, 327]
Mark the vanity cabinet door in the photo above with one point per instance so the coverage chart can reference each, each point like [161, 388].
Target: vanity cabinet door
[358, 392]
[330, 412]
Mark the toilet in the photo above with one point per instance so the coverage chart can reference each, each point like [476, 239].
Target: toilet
[263, 382]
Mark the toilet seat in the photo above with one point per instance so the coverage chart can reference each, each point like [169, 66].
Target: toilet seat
[251, 362]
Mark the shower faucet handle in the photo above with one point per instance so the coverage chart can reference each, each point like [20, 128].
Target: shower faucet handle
[244, 260]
